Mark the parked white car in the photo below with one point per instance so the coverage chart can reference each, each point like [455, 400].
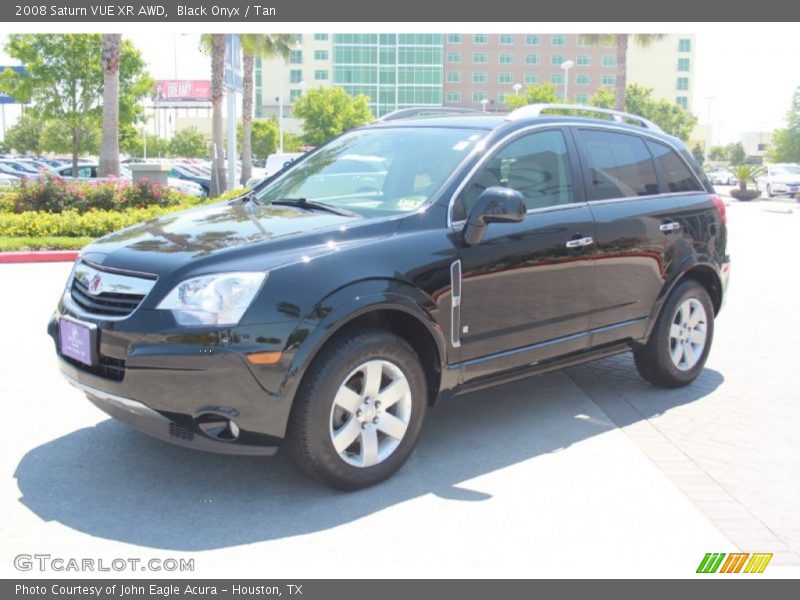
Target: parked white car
[722, 177]
[8, 181]
[781, 178]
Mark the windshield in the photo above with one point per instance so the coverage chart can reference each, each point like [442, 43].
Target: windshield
[786, 170]
[375, 172]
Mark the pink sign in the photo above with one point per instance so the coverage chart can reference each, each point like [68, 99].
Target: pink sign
[183, 90]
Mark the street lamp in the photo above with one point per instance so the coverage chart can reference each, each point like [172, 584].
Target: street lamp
[484, 102]
[517, 88]
[566, 65]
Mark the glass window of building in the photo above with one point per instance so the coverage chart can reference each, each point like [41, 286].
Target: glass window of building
[320, 37]
[684, 45]
[480, 58]
[294, 94]
[532, 40]
[683, 83]
[683, 64]
[609, 80]
[296, 57]
[583, 79]
[453, 77]
[505, 78]
[506, 59]
[558, 40]
[557, 78]
[295, 76]
[479, 77]
[582, 98]
[584, 60]
[320, 75]
[531, 59]
[454, 57]
[480, 38]
[506, 39]
[453, 96]
[531, 78]
[478, 96]
[683, 102]
[453, 38]
[320, 55]
[557, 59]
[609, 60]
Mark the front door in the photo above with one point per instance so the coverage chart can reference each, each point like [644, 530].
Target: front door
[526, 288]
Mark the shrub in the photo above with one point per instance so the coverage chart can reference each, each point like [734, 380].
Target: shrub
[73, 223]
[56, 194]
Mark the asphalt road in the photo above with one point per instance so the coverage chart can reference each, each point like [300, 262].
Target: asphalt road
[529, 479]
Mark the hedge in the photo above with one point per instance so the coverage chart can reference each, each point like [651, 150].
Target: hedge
[15, 244]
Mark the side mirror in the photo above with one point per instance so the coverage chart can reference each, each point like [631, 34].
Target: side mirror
[495, 205]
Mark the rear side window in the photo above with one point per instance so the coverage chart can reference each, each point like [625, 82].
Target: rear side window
[620, 165]
[678, 176]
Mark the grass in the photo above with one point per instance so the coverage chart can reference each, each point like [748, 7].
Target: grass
[16, 244]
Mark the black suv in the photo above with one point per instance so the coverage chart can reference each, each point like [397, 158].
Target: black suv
[399, 263]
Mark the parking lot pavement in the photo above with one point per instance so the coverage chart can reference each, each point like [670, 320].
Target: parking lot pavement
[528, 479]
[734, 450]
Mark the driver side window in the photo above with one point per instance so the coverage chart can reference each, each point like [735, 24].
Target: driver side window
[536, 165]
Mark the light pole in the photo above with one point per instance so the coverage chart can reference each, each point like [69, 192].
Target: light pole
[710, 99]
[517, 88]
[280, 105]
[566, 65]
[484, 102]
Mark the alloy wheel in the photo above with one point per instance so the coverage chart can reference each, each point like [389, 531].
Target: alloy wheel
[687, 334]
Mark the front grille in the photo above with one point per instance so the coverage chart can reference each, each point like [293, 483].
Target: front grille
[106, 303]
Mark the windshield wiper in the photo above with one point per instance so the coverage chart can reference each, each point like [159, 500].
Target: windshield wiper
[313, 204]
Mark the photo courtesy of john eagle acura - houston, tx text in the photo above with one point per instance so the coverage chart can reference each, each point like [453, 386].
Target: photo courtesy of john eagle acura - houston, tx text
[430, 253]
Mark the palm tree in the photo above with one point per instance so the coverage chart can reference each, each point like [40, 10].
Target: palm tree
[214, 43]
[109, 147]
[621, 41]
[263, 46]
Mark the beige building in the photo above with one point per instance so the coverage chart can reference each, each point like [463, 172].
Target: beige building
[666, 66]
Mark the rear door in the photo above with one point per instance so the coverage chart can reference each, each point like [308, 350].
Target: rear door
[638, 226]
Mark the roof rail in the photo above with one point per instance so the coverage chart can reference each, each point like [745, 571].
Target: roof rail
[535, 110]
[424, 111]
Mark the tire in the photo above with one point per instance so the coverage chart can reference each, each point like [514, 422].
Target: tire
[665, 360]
[337, 399]
[768, 191]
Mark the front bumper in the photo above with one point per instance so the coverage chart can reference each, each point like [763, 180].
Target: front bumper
[168, 391]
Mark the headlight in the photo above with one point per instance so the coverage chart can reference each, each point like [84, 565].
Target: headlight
[219, 299]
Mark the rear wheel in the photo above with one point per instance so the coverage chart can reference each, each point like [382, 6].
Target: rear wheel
[680, 342]
[359, 411]
[768, 191]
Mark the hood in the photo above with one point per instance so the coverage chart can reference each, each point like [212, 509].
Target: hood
[165, 244]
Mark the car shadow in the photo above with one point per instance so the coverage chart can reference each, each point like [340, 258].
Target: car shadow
[112, 482]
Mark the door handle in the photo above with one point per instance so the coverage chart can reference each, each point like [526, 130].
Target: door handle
[580, 242]
[670, 226]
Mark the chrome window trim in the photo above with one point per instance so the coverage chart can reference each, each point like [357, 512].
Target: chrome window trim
[556, 124]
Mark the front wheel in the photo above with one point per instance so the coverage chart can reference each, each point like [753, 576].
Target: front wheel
[769, 191]
[359, 410]
[681, 339]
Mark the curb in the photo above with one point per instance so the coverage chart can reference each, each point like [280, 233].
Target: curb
[37, 257]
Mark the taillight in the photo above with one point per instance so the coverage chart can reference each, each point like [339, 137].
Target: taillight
[720, 208]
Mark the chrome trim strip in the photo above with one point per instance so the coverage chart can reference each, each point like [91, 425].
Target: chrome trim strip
[111, 282]
[555, 124]
[455, 304]
[132, 406]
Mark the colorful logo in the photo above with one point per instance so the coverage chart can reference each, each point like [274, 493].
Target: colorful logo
[736, 562]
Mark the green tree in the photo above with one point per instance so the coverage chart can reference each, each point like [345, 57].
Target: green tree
[134, 146]
[718, 153]
[621, 41]
[602, 98]
[188, 143]
[699, 154]
[265, 46]
[58, 136]
[64, 81]
[736, 153]
[785, 146]
[214, 44]
[263, 137]
[26, 134]
[327, 112]
[542, 93]
[109, 145]
[668, 116]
